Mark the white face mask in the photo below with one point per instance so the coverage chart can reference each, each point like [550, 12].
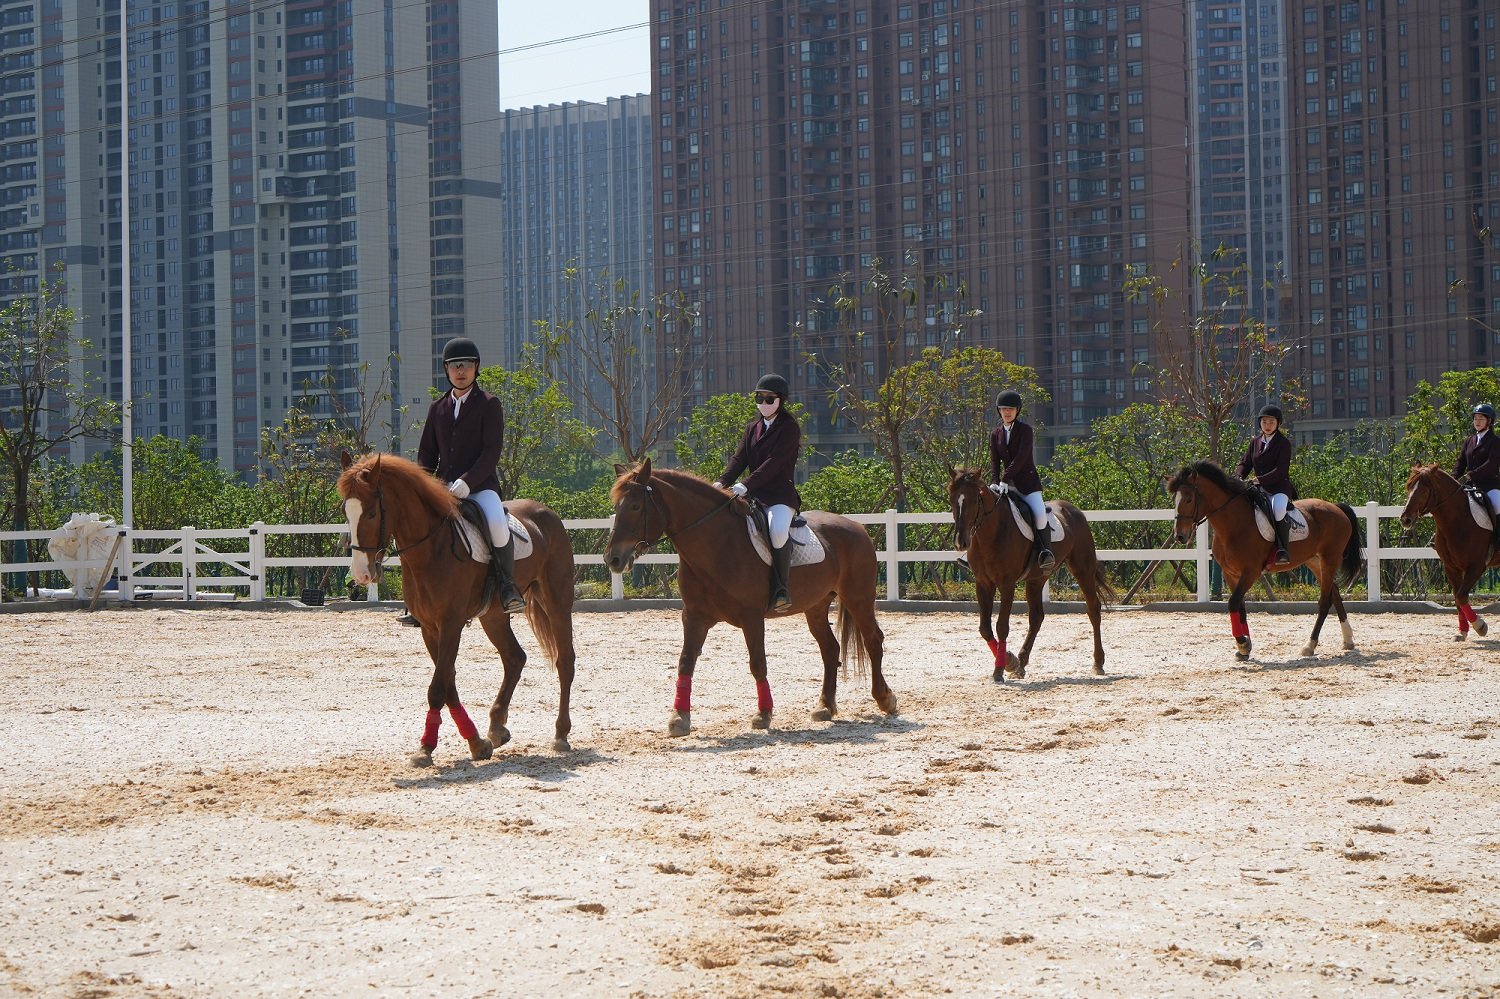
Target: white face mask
[768, 409]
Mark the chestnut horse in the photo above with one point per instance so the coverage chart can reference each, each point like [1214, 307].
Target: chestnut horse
[391, 501]
[1466, 549]
[1000, 555]
[722, 579]
[1204, 491]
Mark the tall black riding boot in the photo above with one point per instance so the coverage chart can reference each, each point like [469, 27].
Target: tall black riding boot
[1282, 528]
[1044, 559]
[781, 567]
[503, 564]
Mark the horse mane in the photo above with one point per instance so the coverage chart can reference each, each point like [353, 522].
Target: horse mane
[1419, 471]
[1213, 473]
[402, 474]
[671, 476]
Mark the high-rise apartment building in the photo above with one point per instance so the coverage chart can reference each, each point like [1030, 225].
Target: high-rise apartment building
[1043, 152]
[576, 192]
[312, 186]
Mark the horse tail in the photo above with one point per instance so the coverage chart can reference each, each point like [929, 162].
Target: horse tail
[541, 624]
[1106, 592]
[1353, 553]
[850, 640]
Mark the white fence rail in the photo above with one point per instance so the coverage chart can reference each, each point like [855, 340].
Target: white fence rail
[240, 562]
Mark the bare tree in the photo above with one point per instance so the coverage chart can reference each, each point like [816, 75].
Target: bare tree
[866, 345]
[1213, 357]
[625, 359]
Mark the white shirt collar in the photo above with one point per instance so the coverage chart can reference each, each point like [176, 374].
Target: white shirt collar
[458, 400]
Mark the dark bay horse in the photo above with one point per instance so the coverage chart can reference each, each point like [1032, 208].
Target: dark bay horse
[722, 579]
[1465, 548]
[391, 501]
[1204, 491]
[999, 556]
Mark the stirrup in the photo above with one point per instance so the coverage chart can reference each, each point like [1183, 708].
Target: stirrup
[1045, 560]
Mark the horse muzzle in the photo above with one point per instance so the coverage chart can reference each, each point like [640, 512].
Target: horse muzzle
[1407, 521]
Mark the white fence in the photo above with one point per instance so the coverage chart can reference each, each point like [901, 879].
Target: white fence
[240, 555]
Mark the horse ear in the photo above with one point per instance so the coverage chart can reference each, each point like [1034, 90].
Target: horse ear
[952, 473]
[621, 469]
[643, 471]
[345, 460]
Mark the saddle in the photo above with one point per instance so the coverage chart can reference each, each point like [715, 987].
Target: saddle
[1021, 511]
[1260, 500]
[806, 548]
[473, 530]
[1479, 506]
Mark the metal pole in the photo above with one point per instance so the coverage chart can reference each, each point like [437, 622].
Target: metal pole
[127, 416]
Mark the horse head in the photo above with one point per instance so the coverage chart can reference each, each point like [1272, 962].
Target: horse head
[1418, 494]
[966, 497]
[1186, 501]
[632, 496]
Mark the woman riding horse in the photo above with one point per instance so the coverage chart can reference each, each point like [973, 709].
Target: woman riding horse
[1012, 463]
[1268, 463]
[1479, 461]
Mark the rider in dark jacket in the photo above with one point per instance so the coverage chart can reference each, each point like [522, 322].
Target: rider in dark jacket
[1479, 462]
[1268, 463]
[1012, 462]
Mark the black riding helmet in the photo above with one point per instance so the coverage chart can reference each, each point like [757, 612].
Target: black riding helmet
[774, 383]
[1487, 411]
[1274, 412]
[461, 348]
[1010, 397]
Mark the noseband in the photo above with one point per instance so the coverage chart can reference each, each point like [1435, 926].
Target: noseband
[386, 539]
[984, 511]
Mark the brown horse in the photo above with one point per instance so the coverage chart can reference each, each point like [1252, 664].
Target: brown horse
[391, 501]
[999, 555]
[1465, 548]
[1204, 491]
[722, 579]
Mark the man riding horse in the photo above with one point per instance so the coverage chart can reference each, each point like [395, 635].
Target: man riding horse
[1267, 463]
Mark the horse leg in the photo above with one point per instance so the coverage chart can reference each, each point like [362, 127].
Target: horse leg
[513, 657]
[1461, 595]
[560, 621]
[861, 618]
[985, 593]
[828, 646]
[442, 646]
[1036, 613]
[1456, 581]
[1327, 574]
[1003, 659]
[1338, 608]
[1090, 585]
[1239, 624]
[694, 631]
[755, 644]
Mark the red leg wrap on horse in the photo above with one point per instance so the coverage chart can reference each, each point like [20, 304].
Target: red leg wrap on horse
[429, 734]
[1463, 620]
[1468, 610]
[1239, 626]
[684, 699]
[763, 696]
[461, 720]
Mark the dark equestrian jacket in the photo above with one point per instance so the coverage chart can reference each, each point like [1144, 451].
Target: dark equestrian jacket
[468, 447]
[770, 453]
[1480, 459]
[1012, 462]
[1270, 465]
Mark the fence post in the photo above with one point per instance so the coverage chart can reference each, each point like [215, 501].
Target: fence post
[1372, 550]
[1204, 560]
[892, 555]
[189, 562]
[258, 561]
[616, 579]
[127, 566]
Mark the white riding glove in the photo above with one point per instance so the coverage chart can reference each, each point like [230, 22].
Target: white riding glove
[738, 489]
[718, 485]
[459, 488]
[998, 488]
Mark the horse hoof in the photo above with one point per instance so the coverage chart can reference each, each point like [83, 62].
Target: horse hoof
[999, 675]
[1309, 650]
[823, 713]
[480, 749]
[1242, 656]
[499, 736]
[1098, 669]
[421, 758]
[1480, 628]
[761, 720]
[889, 704]
[680, 724]
[1460, 637]
[561, 745]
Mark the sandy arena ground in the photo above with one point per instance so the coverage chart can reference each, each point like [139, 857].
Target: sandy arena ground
[210, 803]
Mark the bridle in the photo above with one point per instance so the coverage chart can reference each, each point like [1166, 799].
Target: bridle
[1198, 503]
[379, 551]
[1430, 506]
[649, 505]
[984, 511]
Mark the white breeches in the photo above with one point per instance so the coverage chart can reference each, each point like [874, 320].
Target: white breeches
[780, 517]
[494, 515]
[1278, 505]
[1494, 495]
[1038, 509]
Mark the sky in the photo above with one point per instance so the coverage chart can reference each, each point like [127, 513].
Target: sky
[590, 69]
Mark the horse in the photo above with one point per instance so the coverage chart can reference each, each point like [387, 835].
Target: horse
[1466, 549]
[723, 580]
[390, 501]
[1204, 491]
[999, 555]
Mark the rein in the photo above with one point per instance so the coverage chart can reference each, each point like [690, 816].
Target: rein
[389, 539]
[1197, 501]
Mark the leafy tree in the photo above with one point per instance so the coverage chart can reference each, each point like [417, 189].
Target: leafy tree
[1120, 464]
[625, 360]
[1438, 417]
[540, 433]
[852, 483]
[1215, 357]
[714, 429]
[1369, 461]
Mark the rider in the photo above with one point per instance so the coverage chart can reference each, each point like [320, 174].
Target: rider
[461, 445]
[1479, 462]
[769, 450]
[1268, 463]
[1011, 462]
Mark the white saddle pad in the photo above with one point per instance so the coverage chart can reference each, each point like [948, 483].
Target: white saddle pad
[479, 547]
[1481, 515]
[806, 548]
[1023, 521]
[1293, 517]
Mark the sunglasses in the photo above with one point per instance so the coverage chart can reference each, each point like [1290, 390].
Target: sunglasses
[460, 365]
[765, 397]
